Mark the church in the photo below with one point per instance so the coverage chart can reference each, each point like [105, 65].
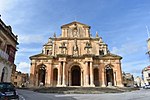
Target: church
[75, 58]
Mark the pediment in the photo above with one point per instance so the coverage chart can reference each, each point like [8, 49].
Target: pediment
[38, 56]
[75, 30]
[74, 24]
[112, 56]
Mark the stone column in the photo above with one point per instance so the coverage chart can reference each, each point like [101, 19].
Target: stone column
[115, 79]
[32, 74]
[91, 75]
[64, 77]
[86, 75]
[103, 75]
[37, 80]
[119, 75]
[69, 75]
[81, 77]
[59, 75]
[49, 75]
[63, 32]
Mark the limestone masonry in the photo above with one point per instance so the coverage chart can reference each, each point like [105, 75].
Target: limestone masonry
[75, 59]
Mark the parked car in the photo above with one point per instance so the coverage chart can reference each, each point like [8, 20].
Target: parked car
[147, 87]
[8, 91]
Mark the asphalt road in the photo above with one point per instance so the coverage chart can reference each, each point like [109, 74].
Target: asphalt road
[143, 94]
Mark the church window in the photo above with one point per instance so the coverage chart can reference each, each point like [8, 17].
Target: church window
[148, 74]
[1, 43]
[47, 52]
[101, 52]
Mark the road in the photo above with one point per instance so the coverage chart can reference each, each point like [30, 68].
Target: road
[143, 94]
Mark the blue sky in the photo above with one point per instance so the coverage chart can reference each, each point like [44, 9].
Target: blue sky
[121, 24]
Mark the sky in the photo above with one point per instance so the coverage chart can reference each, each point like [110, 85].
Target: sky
[121, 24]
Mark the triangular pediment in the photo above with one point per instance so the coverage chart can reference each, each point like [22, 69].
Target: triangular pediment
[112, 56]
[75, 30]
[73, 24]
[39, 56]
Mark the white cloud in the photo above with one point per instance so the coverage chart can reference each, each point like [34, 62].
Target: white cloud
[32, 38]
[128, 48]
[135, 67]
[24, 50]
[23, 67]
[134, 57]
[7, 5]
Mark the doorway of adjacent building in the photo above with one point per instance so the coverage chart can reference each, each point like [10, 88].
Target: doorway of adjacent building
[76, 76]
[109, 76]
[42, 73]
[4, 75]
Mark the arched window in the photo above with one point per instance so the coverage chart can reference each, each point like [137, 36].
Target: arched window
[47, 52]
[101, 52]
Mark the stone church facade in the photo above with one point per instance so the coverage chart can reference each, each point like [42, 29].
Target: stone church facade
[75, 59]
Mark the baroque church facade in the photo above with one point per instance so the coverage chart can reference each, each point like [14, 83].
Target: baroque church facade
[75, 59]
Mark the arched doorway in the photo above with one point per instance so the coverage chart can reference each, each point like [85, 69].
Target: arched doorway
[96, 77]
[4, 75]
[55, 76]
[109, 75]
[76, 76]
[41, 74]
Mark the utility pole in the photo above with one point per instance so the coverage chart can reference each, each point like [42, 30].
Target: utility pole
[148, 42]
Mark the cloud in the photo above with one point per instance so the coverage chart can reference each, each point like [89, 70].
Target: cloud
[32, 38]
[23, 67]
[29, 50]
[135, 67]
[134, 57]
[7, 5]
[128, 48]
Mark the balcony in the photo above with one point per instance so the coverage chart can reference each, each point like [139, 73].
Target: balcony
[4, 55]
[148, 78]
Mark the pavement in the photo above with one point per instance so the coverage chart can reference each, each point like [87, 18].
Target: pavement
[142, 94]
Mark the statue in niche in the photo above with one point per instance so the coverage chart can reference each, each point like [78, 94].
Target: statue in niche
[75, 48]
[63, 48]
[75, 31]
[88, 47]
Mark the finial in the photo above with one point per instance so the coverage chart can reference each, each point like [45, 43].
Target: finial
[108, 51]
[100, 40]
[50, 39]
[16, 37]
[54, 34]
[97, 34]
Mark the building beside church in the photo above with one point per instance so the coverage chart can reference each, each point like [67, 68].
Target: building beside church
[128, 79]
[146, 75]
[75, 58]
[8, 43]
[20, 79]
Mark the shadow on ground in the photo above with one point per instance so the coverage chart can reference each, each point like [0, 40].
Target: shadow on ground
[81, 90]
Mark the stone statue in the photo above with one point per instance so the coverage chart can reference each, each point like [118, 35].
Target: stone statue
[63, 47]
[75, 48]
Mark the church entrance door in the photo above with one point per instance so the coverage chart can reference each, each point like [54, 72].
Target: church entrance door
[76, 76]
[109, 75]
[41, 78]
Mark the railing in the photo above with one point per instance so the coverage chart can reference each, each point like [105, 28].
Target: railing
[4, 54]
[148, 78]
